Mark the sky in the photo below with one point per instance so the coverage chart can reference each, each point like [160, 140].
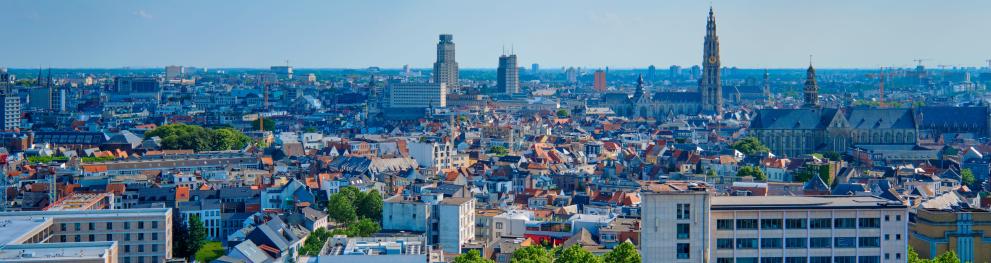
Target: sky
[553, 33]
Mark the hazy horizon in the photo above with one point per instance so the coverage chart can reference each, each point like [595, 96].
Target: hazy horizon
[777, 34]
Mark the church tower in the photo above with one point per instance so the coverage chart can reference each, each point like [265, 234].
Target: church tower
[811, 88]
[710, 86]
[641, 94]
[768, 98]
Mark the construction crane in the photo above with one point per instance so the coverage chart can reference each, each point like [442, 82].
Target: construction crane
[918, 61]
[882, 76]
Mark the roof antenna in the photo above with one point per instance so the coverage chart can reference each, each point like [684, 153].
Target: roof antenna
[810, 60]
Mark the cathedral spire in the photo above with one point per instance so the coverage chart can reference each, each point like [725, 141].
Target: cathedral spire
[710, 84]
[641, 92]
[811, 87]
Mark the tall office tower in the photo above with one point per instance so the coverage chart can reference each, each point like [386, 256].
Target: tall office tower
[508, 75]
[811, 88]
[651, 73]
[174, 72]
[534, 68]
[675, 72]
[600, 81]
[571, 74]
[710, 85]
[406, 71]
[10, 118]
[446, 68]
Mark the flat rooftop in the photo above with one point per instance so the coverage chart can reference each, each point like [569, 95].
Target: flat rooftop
[14, 228]
[87, 213]
[801, 202]
[49, 252]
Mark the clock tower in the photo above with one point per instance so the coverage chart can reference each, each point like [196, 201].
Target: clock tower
[710, 86]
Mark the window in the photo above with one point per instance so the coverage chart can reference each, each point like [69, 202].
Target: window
[746, 260]
[770, 223]
[796, 223]
[796, 260]
[683, 231]
[898, 236]
[898, 217]
[845, 242]
[870, 259]
[795, 242]
[154, 224]
[898, 255]
[870, 223]
[887, 218]
[63, 227]
[77, 226]
[821, 223]
[127, 237]
[141, 236]
[498, 225]
[127, 225]
[92, 237]
[825, 259]
[141, 248]
[869, 242]
[743, 224]
[770, 242]
[154, 236]
[141, 224]
[77, 238]
[746, 243]
[845, 223]
[154, 248]
[771, 260]
[844, 259]
[127, 248]
[62, 238]
[887, 237]
[110, 226]
[724, 260]
[724, 243]
[683, 211]
[92, 226]
[724, 224]
[683, 250]
[110, 237]
[820, 242]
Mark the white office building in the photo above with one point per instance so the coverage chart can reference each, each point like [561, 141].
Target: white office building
[448, 223]
[687, 223]
[417, 95]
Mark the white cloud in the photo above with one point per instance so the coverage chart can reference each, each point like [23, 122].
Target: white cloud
[143, 14]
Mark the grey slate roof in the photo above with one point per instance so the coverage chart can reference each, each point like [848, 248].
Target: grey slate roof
[799, 119]
[861, 118]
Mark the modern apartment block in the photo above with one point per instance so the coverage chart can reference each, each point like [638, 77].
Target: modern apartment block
[447, 222]
[126, 235]
[686, 222]
[963, 230]
[417, 95]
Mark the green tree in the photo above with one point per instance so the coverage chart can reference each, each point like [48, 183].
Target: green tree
[833, 156]
[350, 192]
[498, 150]
[364, 228]
[748, 170]
[576, 254]
[471, 257]
[563, 113]
[967, 177]
[197, 235]
[315, 241]
[341, 209]
[625, 252]
[229, 139]
[180, 237]
[532, 254]
[750, 146]
[369, 205]
[269, 124]
[810, 170]
[192, 137]
[948, 257]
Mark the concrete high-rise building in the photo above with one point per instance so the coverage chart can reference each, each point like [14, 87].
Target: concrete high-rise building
[508, 75]
[685, 222]
[651, 73]
[446, 67]
[534, 68]
[11, 115]
[416, 95]
[284, 72]
[174, 72]
[675, 72]
[600, 81]
[710, 84]
[571, 74]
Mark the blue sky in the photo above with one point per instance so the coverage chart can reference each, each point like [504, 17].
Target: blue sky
[554, 33]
